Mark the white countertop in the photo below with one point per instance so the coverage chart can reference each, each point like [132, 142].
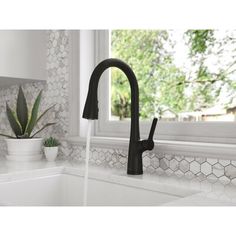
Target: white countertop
[193, 192]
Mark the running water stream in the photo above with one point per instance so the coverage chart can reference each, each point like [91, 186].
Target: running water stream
[87, 163]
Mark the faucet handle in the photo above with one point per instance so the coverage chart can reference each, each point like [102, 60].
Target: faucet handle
[148, 144]
[152, 130]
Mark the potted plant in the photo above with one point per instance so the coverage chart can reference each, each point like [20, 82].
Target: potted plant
[51, 148]
[24, 145]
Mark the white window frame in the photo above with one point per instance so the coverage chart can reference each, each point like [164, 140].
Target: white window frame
[215, 132]
[202, 139]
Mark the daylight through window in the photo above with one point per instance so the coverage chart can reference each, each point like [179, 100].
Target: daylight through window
[183, 75]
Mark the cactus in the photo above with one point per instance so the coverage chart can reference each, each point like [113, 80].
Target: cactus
[21, 121]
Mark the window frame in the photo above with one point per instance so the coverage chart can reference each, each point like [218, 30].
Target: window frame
[211, 132]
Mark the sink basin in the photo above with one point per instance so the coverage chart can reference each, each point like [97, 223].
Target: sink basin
[66, 189]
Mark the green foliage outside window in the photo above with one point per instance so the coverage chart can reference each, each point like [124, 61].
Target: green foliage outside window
[163, 84]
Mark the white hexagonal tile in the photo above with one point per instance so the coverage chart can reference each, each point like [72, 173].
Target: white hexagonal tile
[212, 178]
[160, 171]
[218, 170]
[118, 165]
[200, 160]
[152, 156]
[164, 164]
[201, 176]
[233, 163]
[174, 165]
[150, 169]
[212, 161]
[98, 162]
[146, 161]
[230, 171]
[189, 175]
[154, 163]
[169, 157]
[178, 158]
[123, 160]
[178, 173]
[101, 155]
[194, 167]
[114, 158]
[233, 181]
[189, 159]
[95, 155]
[206, 168]
[169, 171]
[224, 162]
[184, 166]
[224, 179]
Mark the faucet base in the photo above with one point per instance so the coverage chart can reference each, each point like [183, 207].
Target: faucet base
[135, 161]
[131, 172]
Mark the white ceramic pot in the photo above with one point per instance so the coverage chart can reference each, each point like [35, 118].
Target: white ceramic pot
[24, 149]
[51, 153]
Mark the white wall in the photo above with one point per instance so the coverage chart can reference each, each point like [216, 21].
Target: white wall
[23, 54]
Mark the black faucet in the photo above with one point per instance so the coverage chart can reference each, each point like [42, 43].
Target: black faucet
[136, 146]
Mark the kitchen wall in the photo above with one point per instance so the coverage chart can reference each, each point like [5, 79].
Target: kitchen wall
[56, 92]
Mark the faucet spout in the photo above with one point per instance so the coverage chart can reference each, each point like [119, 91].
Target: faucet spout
[136, 147]
[91, 105]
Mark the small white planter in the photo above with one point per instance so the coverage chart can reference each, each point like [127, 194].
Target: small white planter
[51, 153]
[24, 149]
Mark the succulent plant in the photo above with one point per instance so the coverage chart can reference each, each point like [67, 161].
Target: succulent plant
[51, 142]
[21, 121]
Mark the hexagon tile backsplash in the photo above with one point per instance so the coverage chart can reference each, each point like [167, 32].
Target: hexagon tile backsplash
[56, 92]
[180, 166]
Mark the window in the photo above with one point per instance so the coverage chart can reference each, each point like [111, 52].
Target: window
[183, 75]
[186, 78]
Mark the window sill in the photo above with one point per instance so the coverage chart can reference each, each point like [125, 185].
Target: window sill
[191, 149]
